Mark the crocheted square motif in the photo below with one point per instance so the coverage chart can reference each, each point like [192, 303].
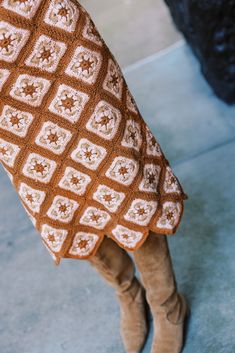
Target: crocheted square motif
[53, 137]
[108, 197]
[12, 40]
[150, 179]
[30, 89]
[15, 120]
[53, 237]
[62, 209]
[25, 8]
[39, 168]
[132, 136]
[95, 217]
[68, 103]
[90, 32]
[128, 238]
[88, 154]
[85, 65]
[8, 152]
[113, 82]
[123, 170]
[63, 14]
[83, 244]
[104, 121]
[46, 54]
[141, 211]
[170, 215]
[74, 181]
[31, 197]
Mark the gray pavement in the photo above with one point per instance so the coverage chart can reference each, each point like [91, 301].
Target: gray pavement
[134, 29]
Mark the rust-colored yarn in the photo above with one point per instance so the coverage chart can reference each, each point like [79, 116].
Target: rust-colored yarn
[72, 140]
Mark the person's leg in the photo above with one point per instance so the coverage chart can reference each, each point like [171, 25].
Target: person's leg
[117, 268]
[169, 308]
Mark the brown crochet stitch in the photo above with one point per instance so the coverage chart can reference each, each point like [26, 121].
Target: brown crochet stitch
[72, 140]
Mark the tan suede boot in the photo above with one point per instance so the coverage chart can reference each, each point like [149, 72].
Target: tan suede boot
[117, 268]
[169, 309]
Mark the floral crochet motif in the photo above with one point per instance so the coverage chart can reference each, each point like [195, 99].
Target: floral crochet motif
[8, 152]
[85, 65]
[171, 184]
[74, 181]
[128, 238]
[104, 121]
[95, 217]
[25, 8]
[53, 237]
[62, 14]
[83, 244]
[113, 82]
[151, 177]
[39, 168]
[132, 136]
[123, 170]
[62, 209]
[46, 54]
[170, 215]
[88, 154]
[153, 148]
[15, 121]
[31, 197]
[30, 89]
[68, 103]
[53, 137]
[12, 40]
[108, 197]
[90, 32]
[141, 212]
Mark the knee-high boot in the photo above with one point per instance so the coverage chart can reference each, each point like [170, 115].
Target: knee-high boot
[117, 268]
[169, 309]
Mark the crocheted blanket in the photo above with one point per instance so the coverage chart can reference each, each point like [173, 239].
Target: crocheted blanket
[77, 150]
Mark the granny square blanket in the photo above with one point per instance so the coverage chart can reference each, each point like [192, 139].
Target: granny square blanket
[82, 159]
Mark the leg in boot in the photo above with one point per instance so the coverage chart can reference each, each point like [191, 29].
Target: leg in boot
[117, 268]
[169, 309]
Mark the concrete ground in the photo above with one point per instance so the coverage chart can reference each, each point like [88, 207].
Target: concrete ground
[45, 309]
[134, 29]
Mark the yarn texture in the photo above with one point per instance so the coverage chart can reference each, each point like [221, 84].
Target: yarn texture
[82, 159]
